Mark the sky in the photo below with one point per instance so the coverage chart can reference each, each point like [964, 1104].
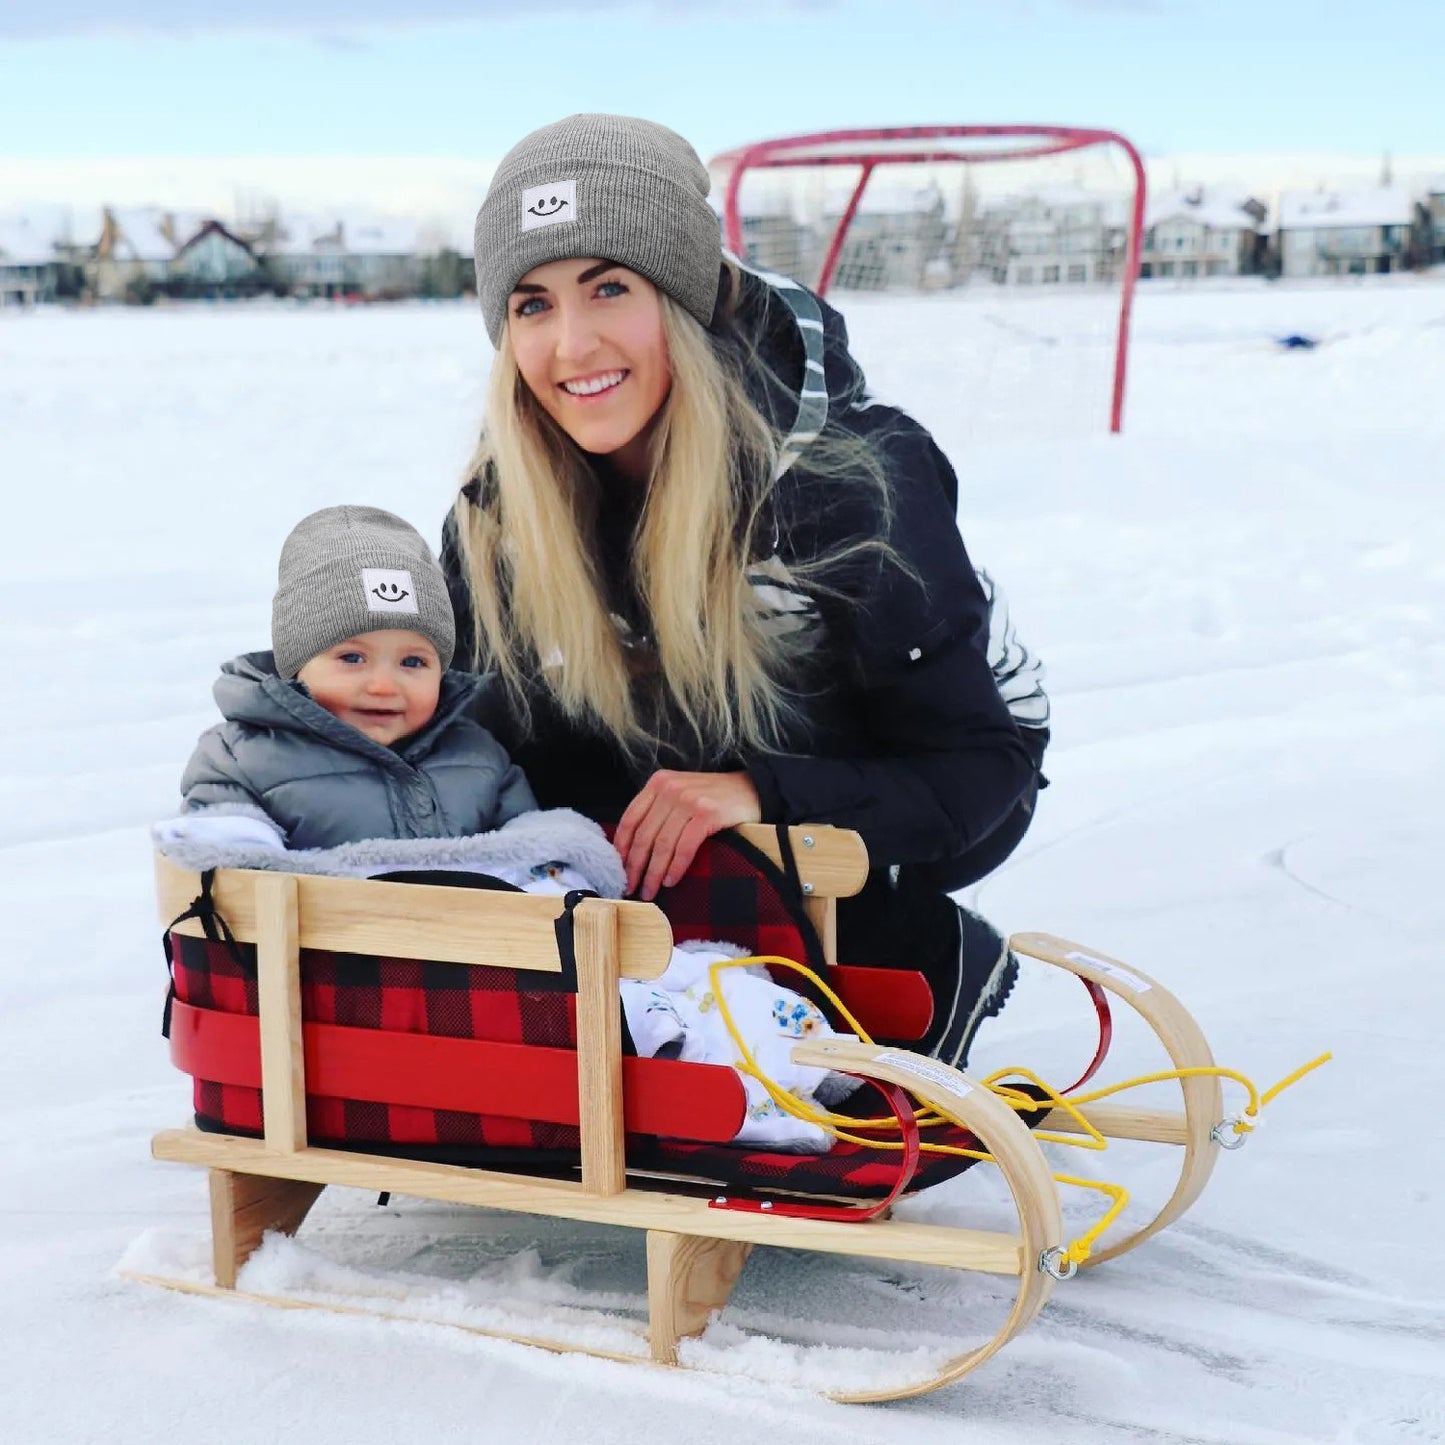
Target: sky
[405, 104]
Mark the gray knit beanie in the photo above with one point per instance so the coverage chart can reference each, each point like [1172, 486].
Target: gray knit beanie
[609, 186]
[349, 570]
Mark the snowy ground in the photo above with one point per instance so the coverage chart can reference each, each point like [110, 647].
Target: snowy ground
[1240, 601]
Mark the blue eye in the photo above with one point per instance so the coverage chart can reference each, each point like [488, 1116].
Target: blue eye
[350, 657]
[525, 309]
[414, 662]
[612, 288]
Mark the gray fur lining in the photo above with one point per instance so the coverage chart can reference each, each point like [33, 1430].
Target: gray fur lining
[554, 834]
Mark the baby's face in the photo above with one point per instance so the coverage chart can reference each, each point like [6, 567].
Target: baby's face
[385, 684]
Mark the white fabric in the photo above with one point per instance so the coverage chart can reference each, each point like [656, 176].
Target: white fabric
[677, 1016]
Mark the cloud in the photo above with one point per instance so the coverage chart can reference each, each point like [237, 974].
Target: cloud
[331, 17]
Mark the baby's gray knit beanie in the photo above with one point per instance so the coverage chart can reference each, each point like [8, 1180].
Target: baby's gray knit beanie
[349, 570]
[608, 186]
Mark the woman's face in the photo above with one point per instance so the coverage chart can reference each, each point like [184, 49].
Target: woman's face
[588, 340]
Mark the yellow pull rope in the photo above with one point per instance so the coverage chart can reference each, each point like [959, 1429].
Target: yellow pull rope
[840, 1126]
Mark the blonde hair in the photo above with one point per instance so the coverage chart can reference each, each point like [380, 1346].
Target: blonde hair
[539, 606]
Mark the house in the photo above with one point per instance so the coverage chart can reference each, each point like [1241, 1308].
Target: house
[1354, 233]
[1201, 233]
[134, 251]
[1061, 235]
[29, 264]
[896, 234]
[1432, 222]
[340, 256]
[214, 262]
[382, 256]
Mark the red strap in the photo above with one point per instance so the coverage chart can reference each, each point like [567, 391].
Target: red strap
[902, 1107]
[703, 1102]
[1106, 1033]
[891, 1003]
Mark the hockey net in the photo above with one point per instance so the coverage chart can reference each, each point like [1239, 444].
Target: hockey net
[1024, 239]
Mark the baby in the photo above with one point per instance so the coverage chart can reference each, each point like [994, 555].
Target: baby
[352, 727]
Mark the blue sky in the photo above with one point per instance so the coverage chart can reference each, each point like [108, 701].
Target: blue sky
[107, 78]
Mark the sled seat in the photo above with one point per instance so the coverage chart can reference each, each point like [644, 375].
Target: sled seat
[478, 1065]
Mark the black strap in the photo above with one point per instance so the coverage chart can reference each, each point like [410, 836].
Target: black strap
[789, 861]
[215, 927]
[565, 926]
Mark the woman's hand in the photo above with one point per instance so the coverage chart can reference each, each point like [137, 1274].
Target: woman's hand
[666, 823]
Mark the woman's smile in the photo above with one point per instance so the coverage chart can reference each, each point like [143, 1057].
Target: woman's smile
[594, 387]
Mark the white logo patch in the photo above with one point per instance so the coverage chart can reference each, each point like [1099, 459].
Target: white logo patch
[549, 205]
[388, 589]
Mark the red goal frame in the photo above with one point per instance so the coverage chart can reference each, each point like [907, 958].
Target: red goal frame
[908, 146]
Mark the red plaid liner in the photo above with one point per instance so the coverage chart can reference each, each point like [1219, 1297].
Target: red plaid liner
[732, 894]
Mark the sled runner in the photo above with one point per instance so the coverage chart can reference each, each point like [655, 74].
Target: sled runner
[466, 1046]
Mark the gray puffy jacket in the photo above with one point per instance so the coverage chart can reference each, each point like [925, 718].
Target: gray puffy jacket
[324, 783]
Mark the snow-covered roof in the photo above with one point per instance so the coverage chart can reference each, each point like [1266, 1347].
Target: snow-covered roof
[380, 236]
[1214, 209]
[24, 244]
[149, 233]
[1318, 210]
[294, 234]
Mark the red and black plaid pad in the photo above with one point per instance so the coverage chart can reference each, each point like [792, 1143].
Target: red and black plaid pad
[499, 1004]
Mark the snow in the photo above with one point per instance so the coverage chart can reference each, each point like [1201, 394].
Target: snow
[1376, 206]
[1240, 600]
[1218, 211]
[23, 244]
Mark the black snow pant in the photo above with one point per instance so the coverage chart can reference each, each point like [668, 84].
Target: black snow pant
[904, 918]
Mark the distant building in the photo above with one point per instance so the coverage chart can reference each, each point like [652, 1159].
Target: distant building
[1056, 236]
[1345, 233]
[1432, 208]
[213, 262]
[340, 256]
[134, 251]
[29, 265]
[1201, 233]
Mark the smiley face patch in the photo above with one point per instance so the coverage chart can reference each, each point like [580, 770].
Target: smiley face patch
[388, 589]
[549, 205]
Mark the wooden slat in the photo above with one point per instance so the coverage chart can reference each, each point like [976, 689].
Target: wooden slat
[835, 862]
[641, 1209]
[689, 1279]
[599, 1048]
[1155, 1126]
[243, 1208]
[461, 925]
[278, 966]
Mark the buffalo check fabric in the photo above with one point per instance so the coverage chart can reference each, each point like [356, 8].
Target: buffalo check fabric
[733, 894]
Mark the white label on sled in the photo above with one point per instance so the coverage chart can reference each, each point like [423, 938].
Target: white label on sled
[1119, 975]
[935, 1074]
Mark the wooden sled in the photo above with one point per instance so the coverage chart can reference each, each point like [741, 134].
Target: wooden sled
[696, 1246]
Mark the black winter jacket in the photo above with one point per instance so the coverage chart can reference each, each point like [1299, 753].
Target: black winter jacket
[903, 734]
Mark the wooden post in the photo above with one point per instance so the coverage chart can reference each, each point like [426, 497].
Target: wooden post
[689, 1278]
[243, 1208]
[278, 964]
[599, 1047]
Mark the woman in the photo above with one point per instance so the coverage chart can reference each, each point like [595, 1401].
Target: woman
[717, 583]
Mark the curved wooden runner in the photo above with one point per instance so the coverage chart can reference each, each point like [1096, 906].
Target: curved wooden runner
[999, 1131]
[1187, 1048]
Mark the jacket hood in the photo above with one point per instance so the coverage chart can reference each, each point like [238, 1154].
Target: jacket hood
[803, 342]
[250, 691]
